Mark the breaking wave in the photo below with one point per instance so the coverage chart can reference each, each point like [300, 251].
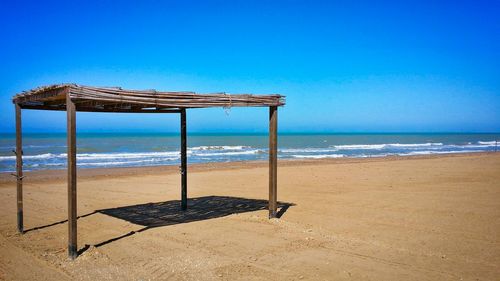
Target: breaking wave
[384, 145]
[225, 153]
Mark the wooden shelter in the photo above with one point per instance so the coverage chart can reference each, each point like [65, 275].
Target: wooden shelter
[73, 98]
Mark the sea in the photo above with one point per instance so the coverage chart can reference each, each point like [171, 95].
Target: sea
[96, 150]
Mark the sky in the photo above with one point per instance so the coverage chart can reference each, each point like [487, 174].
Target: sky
[344, 66]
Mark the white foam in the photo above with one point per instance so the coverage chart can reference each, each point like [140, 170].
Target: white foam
[415, 144]
[307, 150]
[7, 158]
[220, 147]
[384, 145]
[427, 152]
[480, 146]
[319, 156]
[489, 143]
[96, 156]
[371, 155]
[233, 150]
[134, 155]
[116, 163]
[38, 156]
[246, 152]
[468, 146]
[359, 146]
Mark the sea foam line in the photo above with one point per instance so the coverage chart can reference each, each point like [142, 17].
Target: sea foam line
[117, 163]
[247, 152]
[307, 150]
[218, 151]
[136, 155]
[320, 156]
[490, 143]
[384, 145]
[427, 152]
[219, 147]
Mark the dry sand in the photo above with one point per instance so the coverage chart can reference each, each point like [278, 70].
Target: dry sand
[418, 218]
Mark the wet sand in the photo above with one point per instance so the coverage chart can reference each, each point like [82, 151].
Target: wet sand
[399, 218]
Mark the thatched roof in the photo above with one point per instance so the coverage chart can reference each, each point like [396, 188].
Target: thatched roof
[114, 99]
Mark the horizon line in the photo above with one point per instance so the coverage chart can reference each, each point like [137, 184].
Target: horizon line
[258, 132]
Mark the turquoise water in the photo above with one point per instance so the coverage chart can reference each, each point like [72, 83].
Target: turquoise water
[47, 151]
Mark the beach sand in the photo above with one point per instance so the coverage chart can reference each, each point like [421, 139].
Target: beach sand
[402, 218]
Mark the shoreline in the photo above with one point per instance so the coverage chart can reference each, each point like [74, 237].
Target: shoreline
[57, 175]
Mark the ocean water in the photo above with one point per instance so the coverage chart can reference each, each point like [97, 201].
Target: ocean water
[48, 151]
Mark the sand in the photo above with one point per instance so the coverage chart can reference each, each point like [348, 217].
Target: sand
[413, 218]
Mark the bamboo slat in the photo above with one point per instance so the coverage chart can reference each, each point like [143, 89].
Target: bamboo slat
[121, 100]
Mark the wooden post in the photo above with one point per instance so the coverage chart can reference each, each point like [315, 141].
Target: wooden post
[19, 169]
[183, 160]
[71, 138]
[273, 160]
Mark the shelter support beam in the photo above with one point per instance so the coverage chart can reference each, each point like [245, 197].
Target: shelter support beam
[273, 160]
[183, 160]
[19, 169]
[71, 142]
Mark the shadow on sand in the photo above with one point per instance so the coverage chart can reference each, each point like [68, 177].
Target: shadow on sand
[201, 208]
[56, 223]
[167, 213]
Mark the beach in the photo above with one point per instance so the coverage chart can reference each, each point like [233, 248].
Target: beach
[431, 217]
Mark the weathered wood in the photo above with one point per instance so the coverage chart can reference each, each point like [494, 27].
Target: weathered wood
[72, 213]
[102, 110]
[273, 161]
[53, 96]
[19, 169]
[45, 93]
[183, 160]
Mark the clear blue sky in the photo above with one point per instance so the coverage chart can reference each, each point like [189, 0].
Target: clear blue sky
[345, 66]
